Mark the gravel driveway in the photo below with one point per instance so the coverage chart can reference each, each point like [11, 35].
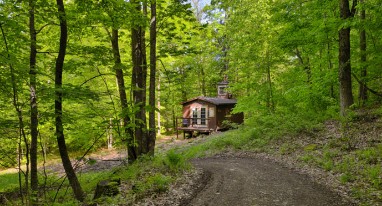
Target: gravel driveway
[256, 181]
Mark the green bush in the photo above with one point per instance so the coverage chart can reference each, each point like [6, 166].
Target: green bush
[9, 182]
[174, 161]
[347, 177]
[159, 182]
[369, 155]
[374, 174]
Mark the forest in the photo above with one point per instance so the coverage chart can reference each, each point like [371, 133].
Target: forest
[79, 76]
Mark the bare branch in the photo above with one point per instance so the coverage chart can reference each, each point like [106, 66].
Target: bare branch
[47, 52]
[39, 30]
[353, 9]
[99, 75]
[371, 90]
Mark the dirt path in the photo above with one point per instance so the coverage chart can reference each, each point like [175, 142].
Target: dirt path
[255, 181]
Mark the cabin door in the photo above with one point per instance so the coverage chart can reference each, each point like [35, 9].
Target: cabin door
[203, 116]
[199, 116]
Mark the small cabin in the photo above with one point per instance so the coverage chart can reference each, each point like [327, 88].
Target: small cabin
[208, 114]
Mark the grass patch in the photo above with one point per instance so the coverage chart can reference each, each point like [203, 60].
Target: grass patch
[9, 182]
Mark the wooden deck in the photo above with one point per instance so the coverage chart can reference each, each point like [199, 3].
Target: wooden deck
[189, 125]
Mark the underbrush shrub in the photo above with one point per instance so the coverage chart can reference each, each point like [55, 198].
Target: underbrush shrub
[10, 182]
[159, 183]
[374, 174]
[175, 161]
[149, 175]
[369, 155]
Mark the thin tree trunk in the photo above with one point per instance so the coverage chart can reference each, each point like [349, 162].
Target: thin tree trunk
[109, 133]
[203, 80]
[306, 66]
[158, 106]
[15, 101]
[184, 86]
[19, 154]
[362, 86]
[173, 119]
[70, 173]
[132, 155]
[346, 95]
[330, 66]
[43, 149]
[33, 103]
[153, 37]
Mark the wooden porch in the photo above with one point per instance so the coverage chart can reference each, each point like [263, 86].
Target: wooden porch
[190, 125]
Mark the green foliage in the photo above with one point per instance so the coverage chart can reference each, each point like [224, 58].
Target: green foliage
[157, 183]
[174, 161]
[307, 158]
[370, 155]
[9, 182]
[287, 148]
[346, 177]
[310, 147]
[150, 175]
[373, 174]
[280, 57]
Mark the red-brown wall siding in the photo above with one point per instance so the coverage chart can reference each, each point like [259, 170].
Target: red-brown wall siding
[187, 111]
[224, 113]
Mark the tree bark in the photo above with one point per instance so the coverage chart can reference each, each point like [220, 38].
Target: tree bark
[145, 132]
[158, 106]
[330, 65]
[33, 103]
[153, 40]
[70, 173]
[362, 86]
[109, 133]
[138, 77]
[346, 95]
[202, 79]
[306, 66]
[122, 94]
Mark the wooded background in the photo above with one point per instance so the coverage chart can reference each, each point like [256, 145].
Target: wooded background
[73, 73]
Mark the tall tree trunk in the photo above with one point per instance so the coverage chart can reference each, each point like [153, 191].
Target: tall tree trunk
[33, 102]
[346, 95]
[362, 86]
[70, 173]
[330, 65]
[122, 94]
[306, 66]
[184, 86]
[109, 133]
[153, 59]
[138, 77]
[202, 79]
[145, 132]
[22, 135]
[158, 106]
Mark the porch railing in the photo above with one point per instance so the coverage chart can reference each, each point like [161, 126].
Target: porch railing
[183, 122]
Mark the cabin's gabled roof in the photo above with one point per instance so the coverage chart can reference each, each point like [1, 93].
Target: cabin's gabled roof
[213, 100]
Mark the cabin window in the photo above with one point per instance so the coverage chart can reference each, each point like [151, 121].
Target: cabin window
[222, 90]
[203, 116]
[211, 112]
[195, 116]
